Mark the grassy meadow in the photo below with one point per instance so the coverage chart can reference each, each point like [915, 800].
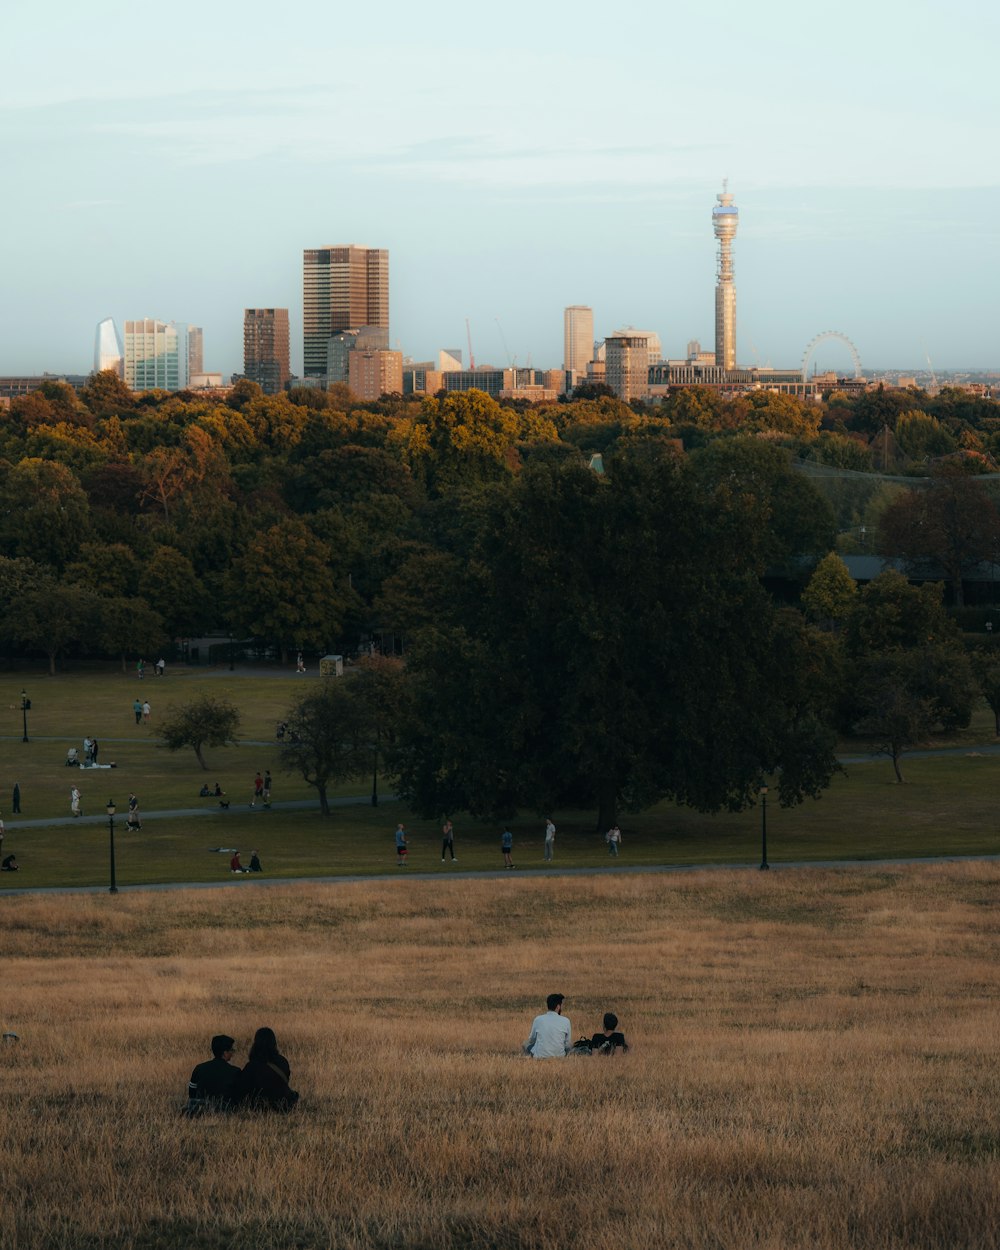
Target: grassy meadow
[813, 1064]
[947, 805]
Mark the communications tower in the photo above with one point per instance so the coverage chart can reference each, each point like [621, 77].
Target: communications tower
[725, 221]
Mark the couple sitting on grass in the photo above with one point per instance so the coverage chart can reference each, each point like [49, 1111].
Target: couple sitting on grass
[551, 1035]
[261, 1085]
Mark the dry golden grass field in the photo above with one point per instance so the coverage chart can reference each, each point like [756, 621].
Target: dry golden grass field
[814, 1064]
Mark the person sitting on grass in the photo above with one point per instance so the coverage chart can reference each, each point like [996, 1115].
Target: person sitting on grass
[550, 1033]
[9, 864]
[213, 1082]
[235, 865]
[204, 792]
[254, 863]
[610, 1041]
[263, 1083]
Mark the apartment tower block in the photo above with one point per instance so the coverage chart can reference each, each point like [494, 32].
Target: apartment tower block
[344, 288]
[266, 353]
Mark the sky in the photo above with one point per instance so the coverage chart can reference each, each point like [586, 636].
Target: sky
[174, 160]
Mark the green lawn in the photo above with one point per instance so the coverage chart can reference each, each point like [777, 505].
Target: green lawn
[947, 805]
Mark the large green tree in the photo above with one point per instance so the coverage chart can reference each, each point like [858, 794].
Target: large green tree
[206, 720]
[329, 736]
[611, 643]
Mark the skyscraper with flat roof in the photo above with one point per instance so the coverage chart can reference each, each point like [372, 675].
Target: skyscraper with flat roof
[196, 350]
[578, 338]
[344, 288]
[266, 348]
[155, 355]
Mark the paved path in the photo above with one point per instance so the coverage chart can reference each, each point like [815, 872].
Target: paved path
[254, 881]
[212, 809]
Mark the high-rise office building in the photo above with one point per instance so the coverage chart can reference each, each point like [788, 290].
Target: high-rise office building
[266, 352]
[344, 288]
[196, 350]
[108, 350]
[725, 220]
[156, 355]
[628, 355]
[578, 338]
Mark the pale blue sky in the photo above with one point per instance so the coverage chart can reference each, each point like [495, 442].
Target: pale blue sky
[173, 161]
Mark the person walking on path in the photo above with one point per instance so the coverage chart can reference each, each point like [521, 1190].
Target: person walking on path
[75, 798]
[401, 848]
[613, 838]
[507, 845]
[266, 793]
[550, 1033]
[137, 708]
[550, 839]
[258, 786]
[15, 799]
[134, 822]
[160, 667]
[448, 840]
[140, 669]
[146, 709]
[300, 664]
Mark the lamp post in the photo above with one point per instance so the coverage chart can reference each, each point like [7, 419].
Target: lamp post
[111, 833]
[231, 664]
[25, 704]
[764, 865]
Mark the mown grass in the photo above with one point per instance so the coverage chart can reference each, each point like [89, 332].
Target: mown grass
[813, 1064]
[947, 805]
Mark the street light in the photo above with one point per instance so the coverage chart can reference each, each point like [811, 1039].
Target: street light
[111, 832]
[764, 865]
[25, 705]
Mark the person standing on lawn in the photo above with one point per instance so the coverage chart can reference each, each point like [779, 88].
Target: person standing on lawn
[448, 840]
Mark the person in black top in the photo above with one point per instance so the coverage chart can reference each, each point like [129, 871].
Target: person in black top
[255, 863]
[213, 1082]
[263, 1083]
[610, 1041]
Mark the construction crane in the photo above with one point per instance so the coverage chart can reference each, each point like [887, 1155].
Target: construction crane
[503, 339]
[468, 335]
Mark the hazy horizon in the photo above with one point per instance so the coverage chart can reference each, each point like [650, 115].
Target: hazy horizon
[511, 170]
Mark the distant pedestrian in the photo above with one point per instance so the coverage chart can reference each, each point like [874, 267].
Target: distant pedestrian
[300, 664]
[75, 799]
[507, 846]
[134, 822]
[146, 709]
[16, 799]
[160, 667]
[613, 838]
[140, 669]
[550, 839]
[448, 840]
[258, 786]
[94, 748]
[267, 787]
[401, 848]
[137, 708]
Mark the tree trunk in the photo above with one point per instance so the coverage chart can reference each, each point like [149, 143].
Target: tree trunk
[607, 805]
[201, 758]
[324, 805]
[896, 753]
[52, 664]
[124, 669]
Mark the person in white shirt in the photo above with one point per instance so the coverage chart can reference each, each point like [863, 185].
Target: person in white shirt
[550, 1033]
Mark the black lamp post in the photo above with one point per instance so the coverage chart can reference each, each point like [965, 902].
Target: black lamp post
[378, 743]
[764, 865]
[25, 704]
[111, 833]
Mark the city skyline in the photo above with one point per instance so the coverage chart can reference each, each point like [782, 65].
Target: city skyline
[866, 210]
